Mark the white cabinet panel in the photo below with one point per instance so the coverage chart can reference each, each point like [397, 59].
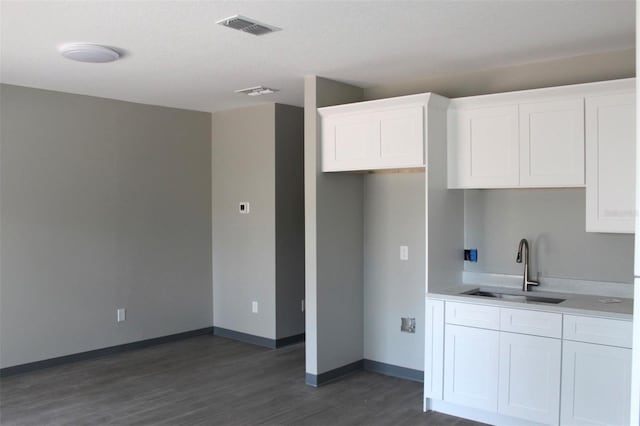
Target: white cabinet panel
[529, 385]
[483, 147]
[401, 137]
[538, 323]
[595, 384]
[610, 149]
[471, 367]
[552, 143]
[481, 316]
[434, 349]
[350, 141]
[384, 134]
[603, 331]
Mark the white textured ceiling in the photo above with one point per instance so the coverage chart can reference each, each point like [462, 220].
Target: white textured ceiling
[177, 56]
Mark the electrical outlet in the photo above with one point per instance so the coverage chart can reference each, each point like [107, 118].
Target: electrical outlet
[244, 207]
[302, 305]
[404, 252]
[121, 314]
[254, 307]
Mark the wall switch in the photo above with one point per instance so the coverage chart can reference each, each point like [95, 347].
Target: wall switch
[302, 305]
[121, 314]
[408, 325]
[404, 252]
[243, 207]
[254, 307]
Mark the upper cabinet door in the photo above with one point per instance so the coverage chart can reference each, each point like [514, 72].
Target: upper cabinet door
[349, 142]
[401, 137]
[387, 134]
[552, 143]
[610, 144]
[483, 147]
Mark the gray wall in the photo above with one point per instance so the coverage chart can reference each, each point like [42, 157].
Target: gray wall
[289, 170]
[394, 212]
[554, 221]
[103, 204]
[258, 158]
[244, 267]
[333, 243]
[579, 69]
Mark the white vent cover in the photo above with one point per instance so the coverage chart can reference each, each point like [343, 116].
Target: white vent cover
[248, 25]
[257, 91]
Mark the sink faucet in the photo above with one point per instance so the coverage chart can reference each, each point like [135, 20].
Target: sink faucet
[526, 282]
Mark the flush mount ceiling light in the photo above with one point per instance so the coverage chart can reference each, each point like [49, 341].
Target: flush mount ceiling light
[257, 91]
[86, 52]
[247, 25]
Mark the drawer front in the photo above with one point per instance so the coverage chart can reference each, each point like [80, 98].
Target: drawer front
[545, 324]
[479, 316]
[598, 330]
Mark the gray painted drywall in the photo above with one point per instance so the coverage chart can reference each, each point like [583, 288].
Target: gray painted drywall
[258, 158]
[557, 72]
[244, 266]
[289, 170]
[333, 243]
[394, 215]
[103, 204]
[553, 220]
[445, 229]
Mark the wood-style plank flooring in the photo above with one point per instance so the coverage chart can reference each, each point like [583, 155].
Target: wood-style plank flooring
[208, 380]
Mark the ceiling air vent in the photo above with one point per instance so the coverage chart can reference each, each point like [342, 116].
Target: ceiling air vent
[248, 25]
[257, 91]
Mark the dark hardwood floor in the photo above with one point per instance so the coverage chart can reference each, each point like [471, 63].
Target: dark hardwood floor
[208, 380]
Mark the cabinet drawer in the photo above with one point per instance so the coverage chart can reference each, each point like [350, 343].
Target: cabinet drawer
[479, 316]
[537, 323]
[598, 330]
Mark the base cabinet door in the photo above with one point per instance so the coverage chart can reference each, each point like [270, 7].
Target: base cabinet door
[595, 384]
[529, 380]
[471, 367]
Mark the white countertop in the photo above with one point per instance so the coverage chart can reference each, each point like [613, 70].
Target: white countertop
[579, 304]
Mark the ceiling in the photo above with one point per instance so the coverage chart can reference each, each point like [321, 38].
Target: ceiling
[177, 56]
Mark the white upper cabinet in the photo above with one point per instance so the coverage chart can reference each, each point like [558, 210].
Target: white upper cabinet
[536, 138]
[552, 143]
[483, 147]
[384, 134]
[610, 144]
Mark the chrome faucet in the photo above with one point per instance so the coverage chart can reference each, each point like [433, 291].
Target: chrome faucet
[526, 282]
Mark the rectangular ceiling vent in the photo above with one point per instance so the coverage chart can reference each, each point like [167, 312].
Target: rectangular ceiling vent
[257, 91]
[248, 25]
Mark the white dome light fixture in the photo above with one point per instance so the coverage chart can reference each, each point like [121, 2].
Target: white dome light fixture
[86, 52]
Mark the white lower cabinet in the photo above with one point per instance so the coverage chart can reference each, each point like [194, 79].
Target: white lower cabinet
[596, 383]
[523, 366]
[529, 377]
[471, 367]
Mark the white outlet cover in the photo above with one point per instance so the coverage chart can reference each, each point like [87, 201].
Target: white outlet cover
[404, 252]
[254, 307]
[121, 314]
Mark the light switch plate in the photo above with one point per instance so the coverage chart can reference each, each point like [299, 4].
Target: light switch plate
[244, 207]
[121, 314]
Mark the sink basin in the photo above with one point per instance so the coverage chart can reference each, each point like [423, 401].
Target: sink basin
[515, 297]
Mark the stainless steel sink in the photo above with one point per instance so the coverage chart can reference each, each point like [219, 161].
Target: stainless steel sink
[514, 297]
